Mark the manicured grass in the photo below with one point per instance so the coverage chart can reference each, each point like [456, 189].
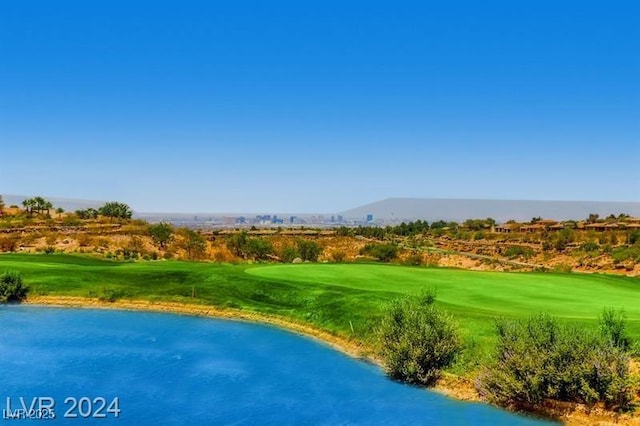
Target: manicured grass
[338, 297]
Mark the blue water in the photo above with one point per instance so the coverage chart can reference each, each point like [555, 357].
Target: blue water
[171, 369]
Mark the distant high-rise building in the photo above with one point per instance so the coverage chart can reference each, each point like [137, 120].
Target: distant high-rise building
[340, 218]
[333, 219]
[369, 218]
[292, 219]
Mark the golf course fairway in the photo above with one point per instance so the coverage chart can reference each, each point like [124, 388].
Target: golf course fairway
[346, 299]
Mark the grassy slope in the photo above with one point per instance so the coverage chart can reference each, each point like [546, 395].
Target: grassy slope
[339, 296]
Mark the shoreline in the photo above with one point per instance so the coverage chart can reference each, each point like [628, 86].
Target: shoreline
[450, 385]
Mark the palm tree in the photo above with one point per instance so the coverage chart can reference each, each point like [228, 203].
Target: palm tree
[29, 205]
[47, 205]
[59, 210]
[40, 204]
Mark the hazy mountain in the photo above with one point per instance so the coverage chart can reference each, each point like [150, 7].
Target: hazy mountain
[69, 204]
[501, 210]
[429, 209]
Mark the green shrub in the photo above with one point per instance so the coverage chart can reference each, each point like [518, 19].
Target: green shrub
[71, 221]
[111, 295]
[540, 359]
[563, 268]
[623, 254]
[383, 252]
[517, 251]
[613, 327]
[288, 253]
[590, 246]
[258, 249]
[249, 248]
[479, 235]
[49, 250]
[563, 238]
[417, 340]
[309, 250]
[12, 288]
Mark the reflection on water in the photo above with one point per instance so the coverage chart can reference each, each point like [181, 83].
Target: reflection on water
[170, 369]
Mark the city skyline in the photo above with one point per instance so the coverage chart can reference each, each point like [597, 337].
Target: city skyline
[318, 107]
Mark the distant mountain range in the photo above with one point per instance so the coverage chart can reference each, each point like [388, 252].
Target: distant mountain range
[431, 209]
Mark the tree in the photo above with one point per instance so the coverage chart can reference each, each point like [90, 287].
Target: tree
[12, 288]
[59, 211]
[48, 205]
[193, 243]
[593, 218]
[116, 210]
[89, 213]
[255, 248]
[1, 205]
[237, 243]
[439, 224]
[37, 205]
[417, 340]
[29, 205]
[309, 250]
[258, 249]
[161, 234]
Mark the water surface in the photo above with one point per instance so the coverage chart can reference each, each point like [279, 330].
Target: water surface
[172, 369]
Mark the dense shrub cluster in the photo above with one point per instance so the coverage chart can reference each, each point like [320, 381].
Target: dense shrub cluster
[246, 247]
[12, 288]
[417, 339]
[406, 229]
[306, 250]
[541, 359]
[383, 252]
[623, 254]
[519, 251]
[309, 250]
[590, 246]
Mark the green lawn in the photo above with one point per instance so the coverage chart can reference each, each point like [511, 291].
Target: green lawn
[339, 296]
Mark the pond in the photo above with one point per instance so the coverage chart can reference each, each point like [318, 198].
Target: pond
[119, 367]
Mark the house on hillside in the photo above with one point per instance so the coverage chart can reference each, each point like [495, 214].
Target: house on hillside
[506, 228]
[557, 227]
[534, 227]
[601, 226]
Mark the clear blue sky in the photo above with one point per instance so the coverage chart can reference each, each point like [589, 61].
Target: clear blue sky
[319, 106]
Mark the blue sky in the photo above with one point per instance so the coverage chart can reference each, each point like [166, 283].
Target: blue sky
[319, 106]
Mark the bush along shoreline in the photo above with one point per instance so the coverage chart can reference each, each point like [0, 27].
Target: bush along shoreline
[417, 339]
[541, 359]
[535, 360]
[12, 287]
